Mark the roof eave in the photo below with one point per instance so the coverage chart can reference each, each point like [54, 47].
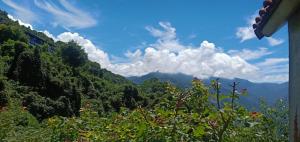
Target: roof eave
[277, 18]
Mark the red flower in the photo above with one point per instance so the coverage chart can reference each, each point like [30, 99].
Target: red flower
[254, 114]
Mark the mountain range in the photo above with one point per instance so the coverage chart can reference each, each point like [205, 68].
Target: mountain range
[269, 92]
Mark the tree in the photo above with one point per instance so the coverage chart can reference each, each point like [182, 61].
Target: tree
[28, 68]
[13, 48]
[131, 96]
[73, 54]
[93, 68]
[11, 32]
[3, 96]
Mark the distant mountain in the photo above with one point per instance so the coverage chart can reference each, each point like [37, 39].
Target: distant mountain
[270, 92]
[179, 79]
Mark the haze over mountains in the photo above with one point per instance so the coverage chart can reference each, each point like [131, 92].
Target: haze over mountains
[270, 92]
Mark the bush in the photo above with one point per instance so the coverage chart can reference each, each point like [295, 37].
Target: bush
[43, 107]
[18, 125]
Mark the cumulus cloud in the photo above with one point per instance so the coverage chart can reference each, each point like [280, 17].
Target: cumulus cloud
[66, 15]
[21, 12]
[247, 54]
[203, 61]
[274, 42]
[94, 53]
[168, 55]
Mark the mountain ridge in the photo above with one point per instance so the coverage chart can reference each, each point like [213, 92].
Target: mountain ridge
[269, 92]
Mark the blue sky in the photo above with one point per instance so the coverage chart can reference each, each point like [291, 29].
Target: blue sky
[201, 38]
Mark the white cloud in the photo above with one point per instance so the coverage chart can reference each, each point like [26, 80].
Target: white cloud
[134, 56]
[168, 55]
[21, 12]
[273, 70]
[247, 54]
[272, 61]
[246, 32]
[68, 16]
[274, 42]
[168, 33]
[20, 22]
[94, 53]
[166, 37]
[47, 33]
[201, 61]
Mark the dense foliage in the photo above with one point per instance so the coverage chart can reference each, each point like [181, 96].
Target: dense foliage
[50, 91]
[182, 116]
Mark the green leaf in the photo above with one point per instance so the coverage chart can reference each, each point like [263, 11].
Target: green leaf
[199, 131]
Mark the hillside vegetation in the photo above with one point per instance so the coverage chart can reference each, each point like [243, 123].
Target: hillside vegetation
[50, 91]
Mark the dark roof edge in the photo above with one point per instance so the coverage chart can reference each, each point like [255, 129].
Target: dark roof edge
[258, 26]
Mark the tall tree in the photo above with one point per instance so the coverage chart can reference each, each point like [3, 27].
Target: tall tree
[73, 54]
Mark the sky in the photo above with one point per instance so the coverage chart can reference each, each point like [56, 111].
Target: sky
[134, 37]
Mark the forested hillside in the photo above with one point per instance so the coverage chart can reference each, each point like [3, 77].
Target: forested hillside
[50, 91]
[55, 78]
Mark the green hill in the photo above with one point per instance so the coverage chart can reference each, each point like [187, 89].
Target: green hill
[55, 78]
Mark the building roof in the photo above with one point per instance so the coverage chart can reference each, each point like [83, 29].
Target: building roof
[265, 13]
